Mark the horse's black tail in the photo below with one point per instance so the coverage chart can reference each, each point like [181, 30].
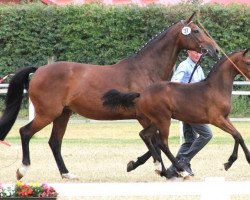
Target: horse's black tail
[18, 83]
[114, 99]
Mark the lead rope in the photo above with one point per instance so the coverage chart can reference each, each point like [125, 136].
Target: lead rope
[203, 51]
[221, 50]
[195, 67]
[7, 144]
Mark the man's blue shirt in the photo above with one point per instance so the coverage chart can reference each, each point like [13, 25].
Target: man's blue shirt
[184, 71]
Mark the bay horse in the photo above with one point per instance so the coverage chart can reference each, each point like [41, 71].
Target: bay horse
[208, 101]
[56, 90]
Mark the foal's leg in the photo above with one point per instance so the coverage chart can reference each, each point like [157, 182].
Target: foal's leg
[55, 142]
[164, 133]
[142, 159]
[147, 136]
[26, 133]
[227, 126]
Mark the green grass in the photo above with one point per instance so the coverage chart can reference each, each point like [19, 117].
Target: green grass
[114, 141]
[119, 133]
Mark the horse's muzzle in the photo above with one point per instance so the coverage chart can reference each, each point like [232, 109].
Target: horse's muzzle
[214, 53]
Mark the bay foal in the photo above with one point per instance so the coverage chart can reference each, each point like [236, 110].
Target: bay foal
[165, 100]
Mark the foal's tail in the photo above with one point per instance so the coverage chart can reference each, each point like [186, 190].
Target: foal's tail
[18, 83]
[114, 99]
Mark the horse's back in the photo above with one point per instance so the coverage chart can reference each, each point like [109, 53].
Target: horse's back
[76, 86]
[165, 100]
[56, 78]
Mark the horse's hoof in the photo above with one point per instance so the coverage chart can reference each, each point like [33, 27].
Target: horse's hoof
[70, 176]
[18, 175]
[21, 171]
[187, 178]
[130, 166]
[184, 174]
[227, 166]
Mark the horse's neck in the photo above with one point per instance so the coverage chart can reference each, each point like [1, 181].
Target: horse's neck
[159, 57]
[222, 77]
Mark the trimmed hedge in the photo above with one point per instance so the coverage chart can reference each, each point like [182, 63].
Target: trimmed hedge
[92, 33]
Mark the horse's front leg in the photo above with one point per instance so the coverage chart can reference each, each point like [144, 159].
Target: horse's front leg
[238, 140]
[226, 125]
[233, 156]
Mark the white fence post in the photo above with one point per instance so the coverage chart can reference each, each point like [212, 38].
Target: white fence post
[181, 132]
[31, 111]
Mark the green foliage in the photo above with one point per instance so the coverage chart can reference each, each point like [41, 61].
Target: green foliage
[240, 106]
[24, 112]
[93, 33]
[28, 35]
[228, 25]
[2, 106]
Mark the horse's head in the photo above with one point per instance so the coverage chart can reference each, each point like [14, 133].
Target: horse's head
[242, 61]
[193, 38]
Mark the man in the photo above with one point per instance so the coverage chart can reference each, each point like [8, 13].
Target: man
[196, 136]
[3, 79]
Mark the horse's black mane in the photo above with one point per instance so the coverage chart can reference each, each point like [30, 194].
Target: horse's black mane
[157, 36]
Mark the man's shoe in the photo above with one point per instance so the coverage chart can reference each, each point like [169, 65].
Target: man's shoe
[189, 166]
[186, 166]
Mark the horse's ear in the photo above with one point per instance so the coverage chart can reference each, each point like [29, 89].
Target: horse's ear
[188, 20]
[245, 52]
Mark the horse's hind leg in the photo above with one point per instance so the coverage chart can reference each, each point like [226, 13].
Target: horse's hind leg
[26, 133]
[132, 165]
[147, 135]
[55, 142]
[140, 161]
[227, 126]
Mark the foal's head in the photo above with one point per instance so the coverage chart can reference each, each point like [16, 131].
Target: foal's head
[193, 38]
[242, 61]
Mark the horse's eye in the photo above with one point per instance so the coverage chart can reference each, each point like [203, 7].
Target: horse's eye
[196, 31]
